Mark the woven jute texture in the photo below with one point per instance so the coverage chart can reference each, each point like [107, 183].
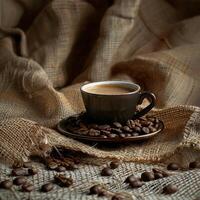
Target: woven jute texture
[49, 48]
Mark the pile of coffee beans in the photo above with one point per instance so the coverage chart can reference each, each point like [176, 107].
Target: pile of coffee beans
[142, 126]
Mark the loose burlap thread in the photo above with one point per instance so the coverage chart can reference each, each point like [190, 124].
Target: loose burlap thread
[49, 48]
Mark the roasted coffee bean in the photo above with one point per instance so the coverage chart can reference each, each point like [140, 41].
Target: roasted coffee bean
[112, 135]
[173, 166]
[27, 187]
[117, 197]
[103, 193]
[107, 133]
[32, 171]
[127, 129]
[93, 132]
[158, 175]
[137, 129]
[128, 135]
[104, 127]
[19, 172]
[27, 165]
[52, 165]
[116, 130]
[137, 124]
[47, 187]
[151, 119]
[145, 130]
[122, 135]
[114, 164]
[194, 165]
[96, 189]
[170, 189]
[63, 181]
[130, 179]
[134, 134]
[106, 171]
[152, 129]
[130, 124]
[20, 180]
[117, 125]
[147, 176]
[7, 184]
[60, 169]
[155, 170]
[103, 136]
[136, 184]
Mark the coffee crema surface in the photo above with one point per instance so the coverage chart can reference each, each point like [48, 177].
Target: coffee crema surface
[111, 89]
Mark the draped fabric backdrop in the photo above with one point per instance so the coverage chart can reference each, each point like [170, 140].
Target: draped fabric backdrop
[49, 48]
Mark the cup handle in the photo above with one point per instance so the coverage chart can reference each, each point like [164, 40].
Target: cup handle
[145, 95]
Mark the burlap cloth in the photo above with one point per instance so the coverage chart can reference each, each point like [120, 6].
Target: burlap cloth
[49, 48]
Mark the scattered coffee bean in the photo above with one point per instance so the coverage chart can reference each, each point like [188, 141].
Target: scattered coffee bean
[155, 170]
[116, 130]
[60, 169]
[27, 187]
[19, 172]
[20, 180]
[136, 184]
[158, 175]
[130, 179]
[17, 165]
[194, 164]
[96, 189]
[47, 187]
[106, 171]
[103, 193]
[32, 171]
[7, 184]
[114, 164]
[117, 125]
[173, 166]
[147, 176]
[170, 189]
[117, 197]
[63, 181]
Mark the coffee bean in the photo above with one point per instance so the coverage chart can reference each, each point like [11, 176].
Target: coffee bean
[112, 135]
[147, 176]
[155, 170]
[134, 134]
[27, 187]
[96, 189]
[130, 179]
[7, 184]
[107, 133]
[136, 184]
[137, 129]
[17, 165]
[117, 124]
[103, 136]
[170, 189]
[20, 180]
[106, 171]
[194, 164]
[52, 165]
[32, 171]
[152, 129]
[117, 197]
[127, 129]
[19, 172]
[145, 130]
[173, 166]
[128, 135]
[158, 175]
[63, 181]
[122, 135]
[27, 165]
[104, 127]
[130, 124]
[60, 169]
[114, 164]
[116, 130]
[47, 187]
[93, 132]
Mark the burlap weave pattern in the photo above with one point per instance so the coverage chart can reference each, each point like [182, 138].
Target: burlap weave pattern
[49, 48]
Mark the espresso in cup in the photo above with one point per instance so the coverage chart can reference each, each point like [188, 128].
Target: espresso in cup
[111, 101]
